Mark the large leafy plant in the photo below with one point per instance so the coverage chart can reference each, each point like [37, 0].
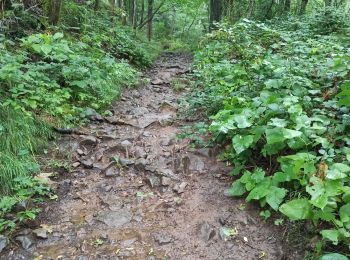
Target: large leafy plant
[280, 104]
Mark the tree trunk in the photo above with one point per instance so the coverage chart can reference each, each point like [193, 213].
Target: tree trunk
[215, 11]
[150, 21]
[142, 11]
[328, 3]
[96, 5]
[54, 11]
[287, 4]
[122, 6]
[303, 6]
[134, 16]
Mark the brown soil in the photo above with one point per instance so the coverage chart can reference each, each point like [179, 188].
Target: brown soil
[140, 193]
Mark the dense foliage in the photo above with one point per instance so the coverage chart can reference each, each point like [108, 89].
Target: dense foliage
[279, 97]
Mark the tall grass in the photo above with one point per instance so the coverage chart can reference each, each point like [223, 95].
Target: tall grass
[20, 137]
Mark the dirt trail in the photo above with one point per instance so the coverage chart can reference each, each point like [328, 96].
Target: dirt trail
[136, 192]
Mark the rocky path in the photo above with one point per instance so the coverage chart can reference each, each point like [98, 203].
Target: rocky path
[134, 191]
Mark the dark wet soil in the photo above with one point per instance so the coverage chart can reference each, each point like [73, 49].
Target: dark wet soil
[135, 191]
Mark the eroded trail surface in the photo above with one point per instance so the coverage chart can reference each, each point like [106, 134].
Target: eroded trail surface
[135, 191]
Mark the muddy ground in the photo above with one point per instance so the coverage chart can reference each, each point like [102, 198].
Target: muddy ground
[135, 191]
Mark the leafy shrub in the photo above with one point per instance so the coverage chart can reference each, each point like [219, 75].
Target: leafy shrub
[276, 101]
[60, 77]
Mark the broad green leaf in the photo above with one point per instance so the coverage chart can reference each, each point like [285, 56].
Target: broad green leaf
[237, 189]
[344, 213]
[46, 48]
[278, 122]
[275, 197]
[337, 171]
[274, 135]
[289, 134]
[242, 121]
[260, 191]
[331, 235]
[297, 209]
[241, 143]
[333, 256]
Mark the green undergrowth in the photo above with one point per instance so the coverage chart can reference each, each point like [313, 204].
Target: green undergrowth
[21, 136]
[52, 78]
[278, 98]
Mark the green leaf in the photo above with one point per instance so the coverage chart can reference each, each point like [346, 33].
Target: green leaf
[331, 235]
[297, 209]
[241, 143]
[260, 191]
[274, 135]
[46, 48]
[344, 213]
[237, 189]
[242, 121]
[278, 122]
[333, 256]
[275, 197]
[337, 171]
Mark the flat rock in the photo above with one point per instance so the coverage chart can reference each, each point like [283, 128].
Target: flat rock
[115, 218]
[40, 233]
[140, 164]
[206, 232]
[153, 181]
[3, 242]
[181, 188]
[112, 172]
[88, 164]
[157, 81]
[25, 240]
[166, 181]
[163, 239]
[126, 162]
[88, 140]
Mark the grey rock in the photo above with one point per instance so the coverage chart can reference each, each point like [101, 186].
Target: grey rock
[157, 81]
[166, 141]
[146, 134]
[3, 242]
[88, 164]
[88, 140]
[25, 240]
[146, 121]
[166, 181]
[114, 202]
[112, 172]
[140, 111]
[181, 188]
[93, 115]
[206, 232]
[196, 164]
[139, 152]
[40, 233]
[80, 152]
[153, 181]
[76, 164]
[126, 162]
[162, 239]
[126, 143]
[116, 218]
[141, 163]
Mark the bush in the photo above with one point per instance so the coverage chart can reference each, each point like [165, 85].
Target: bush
[279, 111]
[61, 78]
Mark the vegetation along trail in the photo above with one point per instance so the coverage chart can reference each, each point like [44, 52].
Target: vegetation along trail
[175, 129]
[135, 191]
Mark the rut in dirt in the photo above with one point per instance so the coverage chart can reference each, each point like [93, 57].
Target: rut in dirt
[137, 192]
